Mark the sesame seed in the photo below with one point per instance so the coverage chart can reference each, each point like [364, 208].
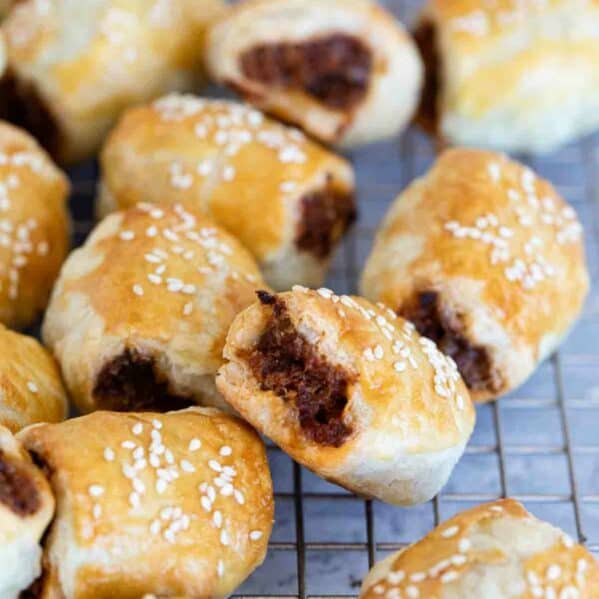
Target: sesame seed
[396, 577]
[224, 537]
[96, 490]
[217, 518]
[225, 451]
[449, 576]
[139, 486]
[128, 445]
[214, 465]
[464, 545]
[239, 497]
[138, 290]
[108, 454]
[187, 466]
[206, 503]
[97, 511]
[378, 589]
[161, 485]
[194, 444]
[32, 387]
[399, 366]
[137, 429]
[220, 568]
[134, 500]
[412, 592]
[450, 532]
[155, 527]
[188, 309]
[417, 576]
[157, 424]
[127, 235]
[256, 535]
[554, 572]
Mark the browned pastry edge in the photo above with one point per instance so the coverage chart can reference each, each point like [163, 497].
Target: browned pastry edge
[23, 105]
[333, 69]
[284, 362]
[445, 328]
[326, 216]
[131, 382]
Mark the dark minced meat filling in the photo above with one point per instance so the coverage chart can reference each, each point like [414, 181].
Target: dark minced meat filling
[428, 111]
[130, 382]
[34, 590]
[284, 362]
[325, 217]
[334, 69]
[22, 105]
[17, 490]
[445, 329]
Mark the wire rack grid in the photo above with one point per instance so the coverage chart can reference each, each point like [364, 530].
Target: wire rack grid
[539, 444]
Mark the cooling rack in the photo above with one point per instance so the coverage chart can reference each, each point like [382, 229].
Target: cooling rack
[540, 444]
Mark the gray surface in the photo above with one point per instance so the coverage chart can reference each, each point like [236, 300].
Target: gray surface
[539, 444]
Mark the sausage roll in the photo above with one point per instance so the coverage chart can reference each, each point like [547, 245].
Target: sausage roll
[286, 198]
[74, 66]
[510, 75]
[343, 70]
[493, 551]
[486, 259]
[349, 390]
[26, 508]
[34, 226]
[172, 505]
[30, 386]
[139, 314]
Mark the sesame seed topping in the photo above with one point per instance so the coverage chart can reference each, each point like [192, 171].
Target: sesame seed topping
[464, 545]
[449, 532]
[32, 387]
[256, 535]
[109, 454]
[194, 444]
[96, 490]
[187, 466]
[224, 537]
[225, 451]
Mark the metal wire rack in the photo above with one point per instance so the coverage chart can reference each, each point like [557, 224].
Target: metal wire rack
[540, 444]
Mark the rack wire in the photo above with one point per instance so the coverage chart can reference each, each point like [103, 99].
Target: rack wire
[540, 444]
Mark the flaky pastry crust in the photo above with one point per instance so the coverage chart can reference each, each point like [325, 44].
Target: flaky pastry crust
[486, 258]
[176, 504]
[496, 551]
[349, 390]
[139, 315]
[285, 197]
[343, 70]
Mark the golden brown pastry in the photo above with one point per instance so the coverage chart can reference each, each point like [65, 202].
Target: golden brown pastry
[350, 391]
[286, 198]
[493, 551]
[26, 508]
[179, 504]
[74, 66]
[30, 386]
[486, 259]
[343, 70]
[510, 75]
[34, 226]
[139, 315]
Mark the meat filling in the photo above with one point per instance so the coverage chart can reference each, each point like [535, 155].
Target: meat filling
[428, 112]
[334, 69]
[130, 382]
[326, 216]
[22, 105]
[284, 362]
[17, 490]
[445, 329]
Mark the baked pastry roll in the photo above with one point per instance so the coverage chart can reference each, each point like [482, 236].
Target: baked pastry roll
[26, 508]
[139, 314]
[486, 259]
[69, 89]
[350, 391]
[179, 504]
[514, 76]
[343, 70]
[30, 386]
[286, 198]
[34, 226]
[496, 551]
